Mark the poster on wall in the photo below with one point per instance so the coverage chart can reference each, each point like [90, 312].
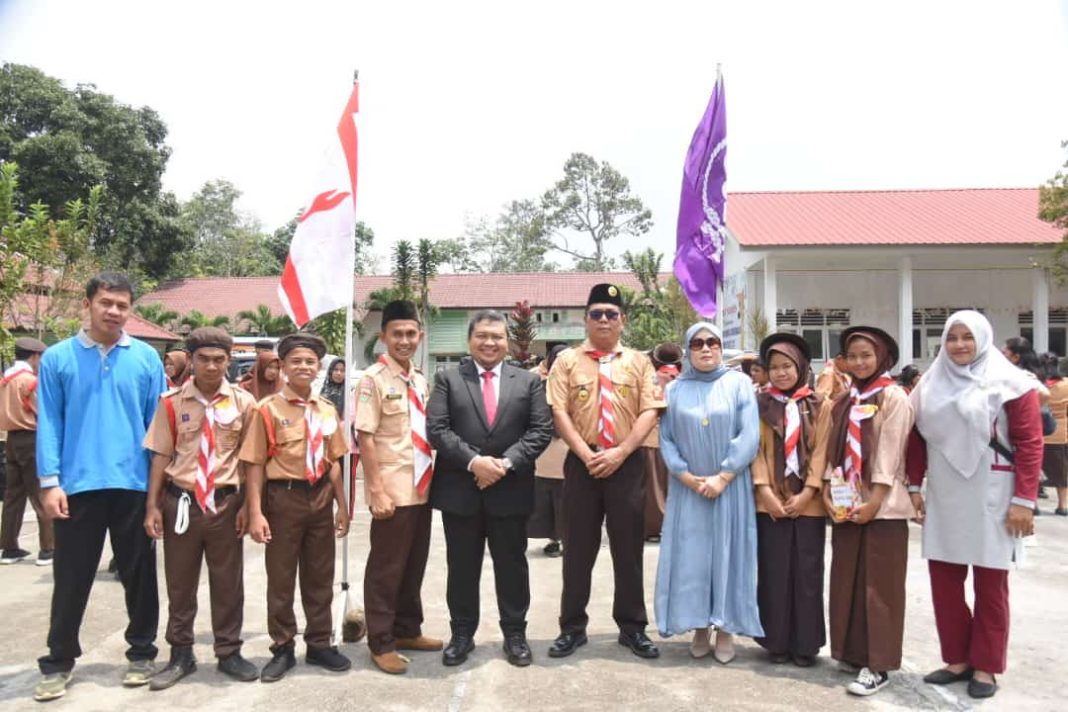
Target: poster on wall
[733, 310]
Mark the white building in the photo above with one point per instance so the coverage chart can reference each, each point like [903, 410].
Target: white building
[814, 263]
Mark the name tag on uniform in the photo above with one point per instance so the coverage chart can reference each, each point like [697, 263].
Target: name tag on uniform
[393, 396]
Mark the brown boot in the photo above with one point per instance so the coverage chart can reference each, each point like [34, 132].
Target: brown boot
[392, 662]
[418, 643]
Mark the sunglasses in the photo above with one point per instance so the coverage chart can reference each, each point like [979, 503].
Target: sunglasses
[699, 344]
[610, 314]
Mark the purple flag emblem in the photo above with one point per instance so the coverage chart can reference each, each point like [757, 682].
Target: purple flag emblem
[702, 228]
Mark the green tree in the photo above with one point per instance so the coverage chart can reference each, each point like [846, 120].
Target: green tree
[516, 241]
[156, 313]
[457, 254]
[227, 243]
[1053, 208]
[404, 270]
[656, 313]
[593, 200]
[331, 328]
[261, 321]
[43, 261]
[194, 319]
[69, 141]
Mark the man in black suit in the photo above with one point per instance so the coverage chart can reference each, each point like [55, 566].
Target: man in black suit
[488, 421]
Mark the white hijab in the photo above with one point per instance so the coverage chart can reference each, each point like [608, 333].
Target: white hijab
[955, 406]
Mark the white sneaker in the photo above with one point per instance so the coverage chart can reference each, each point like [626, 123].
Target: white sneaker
[868, 683]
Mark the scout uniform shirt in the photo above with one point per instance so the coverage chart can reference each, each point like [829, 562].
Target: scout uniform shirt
[18, 398]
[573, 388]
[382, 411]
[180, 438]
[277, 435]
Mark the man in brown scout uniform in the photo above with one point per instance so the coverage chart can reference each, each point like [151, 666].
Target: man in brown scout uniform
[293, 444]
[397, 465]
[18, 417]
[605, 400]
[195, 505]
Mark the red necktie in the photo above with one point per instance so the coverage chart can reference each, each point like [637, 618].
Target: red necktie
[489, 398]
[606, 428]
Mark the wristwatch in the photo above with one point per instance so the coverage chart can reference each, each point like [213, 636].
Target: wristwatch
[507, 464]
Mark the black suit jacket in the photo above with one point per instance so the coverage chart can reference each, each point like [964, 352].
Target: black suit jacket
[457, 429]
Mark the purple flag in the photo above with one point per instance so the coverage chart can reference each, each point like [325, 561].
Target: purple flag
[702, 229]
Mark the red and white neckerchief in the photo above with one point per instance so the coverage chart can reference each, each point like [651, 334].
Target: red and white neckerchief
[606, 426]
[16, 369]
[205, 487]
[858, 413]
[423, 460]
[314, 459]
[791, 426]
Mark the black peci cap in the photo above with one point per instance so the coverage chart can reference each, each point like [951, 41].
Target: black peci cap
[605, 294]
[301, 341]
[399, 310]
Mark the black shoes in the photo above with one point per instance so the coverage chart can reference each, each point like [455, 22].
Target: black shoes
[456, 652]
[328, 658]
[779, 658]
[182, 663]
[947, 677]
[1061, 512]
[804, 661]
[552, 549]
[235, 666]
[981, 690]
[639, 644]
[566, 643]
[12, 556]
[517, 650]
[280, 664]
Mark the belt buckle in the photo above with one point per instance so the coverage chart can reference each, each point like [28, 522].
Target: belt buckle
[289, 484]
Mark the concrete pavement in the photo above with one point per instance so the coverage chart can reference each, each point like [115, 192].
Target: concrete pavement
[600, 676]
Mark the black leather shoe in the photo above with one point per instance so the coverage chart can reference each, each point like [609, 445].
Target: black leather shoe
[328, 658]
[566, 643]
[517, 650]
[456, 652]
[278, 667]
[639, 644]
[235, 666]
[981, 690]
[947, 677]
[182, 663]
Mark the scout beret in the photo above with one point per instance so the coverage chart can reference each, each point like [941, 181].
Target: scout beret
[667, 354]
[301, 341]
[605, 294]
[30, 345]
[867, 332]
[798, 342]
[399, 310]
[209, 337]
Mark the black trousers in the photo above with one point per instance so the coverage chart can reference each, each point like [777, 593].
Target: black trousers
[619, 502]
[79, 544]
[465, 543]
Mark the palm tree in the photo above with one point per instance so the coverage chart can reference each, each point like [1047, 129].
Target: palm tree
[195, 319]
[262, 322]
[157, 314]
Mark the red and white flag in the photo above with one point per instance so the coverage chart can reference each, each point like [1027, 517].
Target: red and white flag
[322, 256]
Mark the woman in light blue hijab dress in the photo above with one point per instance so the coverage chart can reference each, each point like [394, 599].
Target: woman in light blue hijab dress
[707, 573]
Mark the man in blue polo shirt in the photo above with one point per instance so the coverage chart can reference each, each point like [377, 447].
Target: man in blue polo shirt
[98, 391]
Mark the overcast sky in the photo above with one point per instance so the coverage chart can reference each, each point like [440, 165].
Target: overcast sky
[467, 105]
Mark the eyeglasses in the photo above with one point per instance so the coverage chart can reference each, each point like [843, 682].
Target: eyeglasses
[598, 314]
[699, 344]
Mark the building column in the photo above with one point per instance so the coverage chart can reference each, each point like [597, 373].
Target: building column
[904, 311]
[1040, 308]
[771, 297]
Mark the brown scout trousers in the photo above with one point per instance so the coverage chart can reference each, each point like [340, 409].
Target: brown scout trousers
[302, 534]
[22, 484]
[393, 579]
[210, 537]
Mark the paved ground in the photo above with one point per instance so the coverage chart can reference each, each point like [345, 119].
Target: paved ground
[601, 676]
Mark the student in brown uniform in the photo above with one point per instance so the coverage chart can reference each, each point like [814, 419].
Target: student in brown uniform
[791, 523]
[605, 400]
[291, 451]
[18, 417]
[195, 505]
[397, 466]
[667, 360]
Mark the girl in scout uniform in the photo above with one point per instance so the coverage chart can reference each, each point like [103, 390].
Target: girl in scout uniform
[868, 501]
[292, 448]
[194, 504]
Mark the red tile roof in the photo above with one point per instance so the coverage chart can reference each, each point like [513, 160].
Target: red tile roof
[144, 329]
[26, 306]
[228, 296]
[985, 216]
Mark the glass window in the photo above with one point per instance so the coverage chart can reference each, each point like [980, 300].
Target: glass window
[917, 347]
[814, 338]
[1057, 340]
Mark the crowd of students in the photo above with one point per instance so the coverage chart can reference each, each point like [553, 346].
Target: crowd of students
[753, 474]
